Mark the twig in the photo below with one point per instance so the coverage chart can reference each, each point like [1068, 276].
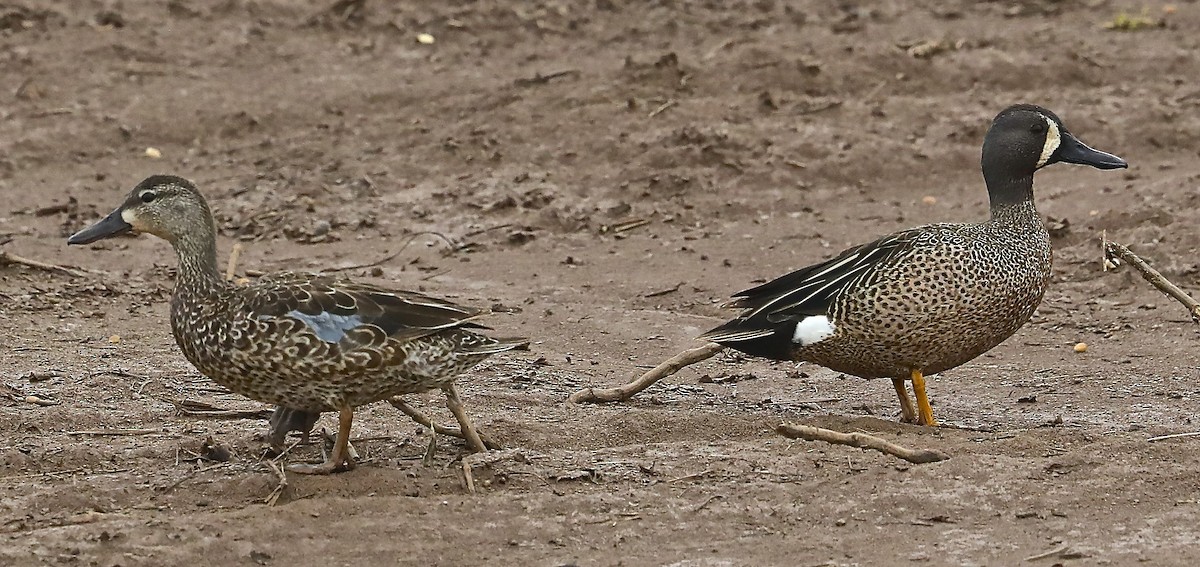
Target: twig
[1114, 253]
[453, 246]
[815, 401]
[425, 421]
[662, 108]
[718, 48]
[874, 91]
[234, 254]
[860, 440]
[671, 366]
[662, 292]
[52, 112]
[819, 108]
[114, 432]
[344, 10]
[197, 408]
[228, 414]
[7, 258]
[468, 476]
[1051, 553]
[273, 497]
[540, 79]
[479, 231]
[624, 226]
[1174, 436]
[473, 460]
[190, 475]
[691, 476]
[705, 504]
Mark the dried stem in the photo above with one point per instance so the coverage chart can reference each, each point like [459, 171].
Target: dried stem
[671, 366]
[1115, 253]
[234, 254]
[860, 440]
[273, 497]
[424, 420]
[7, 258]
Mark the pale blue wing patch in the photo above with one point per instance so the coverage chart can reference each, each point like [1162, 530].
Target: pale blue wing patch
[329, 327]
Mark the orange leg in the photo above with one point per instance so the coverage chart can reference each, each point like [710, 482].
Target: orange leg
[925, 411]
[340, 459]
[907, 413]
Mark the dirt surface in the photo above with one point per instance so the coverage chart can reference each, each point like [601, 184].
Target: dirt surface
[751, 137]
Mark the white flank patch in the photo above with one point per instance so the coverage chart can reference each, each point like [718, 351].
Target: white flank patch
[129, 217]
[1053, 139]
[812, 330]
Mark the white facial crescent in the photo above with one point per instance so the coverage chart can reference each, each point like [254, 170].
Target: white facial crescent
[1053, 139]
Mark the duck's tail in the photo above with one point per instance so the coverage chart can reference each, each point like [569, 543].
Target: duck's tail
[773, 342]
[494, 345]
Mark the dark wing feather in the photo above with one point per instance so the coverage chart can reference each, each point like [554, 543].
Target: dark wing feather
[353, 313]
[772, 310]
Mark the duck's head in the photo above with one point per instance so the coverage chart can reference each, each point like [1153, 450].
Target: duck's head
[1025, 138]
[163, 205]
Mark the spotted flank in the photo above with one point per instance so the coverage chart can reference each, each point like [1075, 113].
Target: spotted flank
[927, 299]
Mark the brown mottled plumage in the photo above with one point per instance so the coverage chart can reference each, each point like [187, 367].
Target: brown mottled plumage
[930, 298]
[309, 343]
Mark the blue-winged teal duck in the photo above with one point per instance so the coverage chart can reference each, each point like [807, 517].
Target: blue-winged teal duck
[309, 343]
[927, 299]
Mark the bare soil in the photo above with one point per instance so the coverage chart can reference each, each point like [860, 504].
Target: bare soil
[752, 137]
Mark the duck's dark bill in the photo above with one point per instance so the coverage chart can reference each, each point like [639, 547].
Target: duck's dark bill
[1074, 151]
[110, 225]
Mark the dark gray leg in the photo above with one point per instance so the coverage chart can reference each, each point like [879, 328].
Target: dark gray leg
[286, 420]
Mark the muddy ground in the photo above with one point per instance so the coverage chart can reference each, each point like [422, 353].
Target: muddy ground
[752, 137]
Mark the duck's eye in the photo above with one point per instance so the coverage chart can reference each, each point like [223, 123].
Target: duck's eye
[1038, 127]
[147, 196]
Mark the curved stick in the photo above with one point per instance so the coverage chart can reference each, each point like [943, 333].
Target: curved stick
[671, 366]
[1114, 251]
[860, 440]
[421, 419]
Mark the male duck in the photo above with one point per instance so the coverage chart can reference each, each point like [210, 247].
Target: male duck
[309, 343]
[926, 299]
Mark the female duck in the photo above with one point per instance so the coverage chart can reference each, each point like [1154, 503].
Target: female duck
[927, 299]
[307, 342]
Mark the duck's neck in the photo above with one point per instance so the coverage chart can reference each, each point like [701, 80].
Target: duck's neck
[197, 251]
[1011, 198]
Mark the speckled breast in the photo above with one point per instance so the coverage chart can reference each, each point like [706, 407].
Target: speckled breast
[958, 292]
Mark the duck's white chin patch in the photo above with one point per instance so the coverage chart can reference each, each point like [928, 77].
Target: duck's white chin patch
[812, 330]
[129, 217]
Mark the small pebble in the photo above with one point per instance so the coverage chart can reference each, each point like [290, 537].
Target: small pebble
[1080, 347]
[115, 339]
[154, 153]
[929, 200]
[424, 38]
